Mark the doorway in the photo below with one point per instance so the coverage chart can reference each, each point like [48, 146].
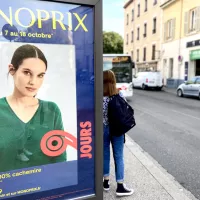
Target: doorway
[171, 68]
[197, 73]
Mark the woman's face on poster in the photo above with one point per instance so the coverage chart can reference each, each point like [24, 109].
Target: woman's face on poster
[28, 78]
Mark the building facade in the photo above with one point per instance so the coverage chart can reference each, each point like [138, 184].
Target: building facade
[142, 33]
[180, 60]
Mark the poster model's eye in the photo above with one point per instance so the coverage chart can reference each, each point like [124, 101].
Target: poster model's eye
[41, 75]
[27, 73]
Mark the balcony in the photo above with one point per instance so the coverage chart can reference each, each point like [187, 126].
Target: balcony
[127, 3]
[166, 3]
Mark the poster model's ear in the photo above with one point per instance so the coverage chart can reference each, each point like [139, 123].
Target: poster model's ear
[11, 69]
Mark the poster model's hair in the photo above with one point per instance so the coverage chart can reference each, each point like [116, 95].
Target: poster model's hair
[24, 52]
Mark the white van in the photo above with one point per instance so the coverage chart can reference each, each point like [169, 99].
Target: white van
[146, 80]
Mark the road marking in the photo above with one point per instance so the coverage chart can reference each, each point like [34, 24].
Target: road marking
[181, 113]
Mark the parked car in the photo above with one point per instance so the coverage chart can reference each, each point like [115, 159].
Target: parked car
[190, 88]
[146, 80]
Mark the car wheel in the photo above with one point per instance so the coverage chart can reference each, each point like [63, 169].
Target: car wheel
[199, 95]
[179, 93]
[143, 86]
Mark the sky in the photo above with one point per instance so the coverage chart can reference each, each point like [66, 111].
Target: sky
[113, 16]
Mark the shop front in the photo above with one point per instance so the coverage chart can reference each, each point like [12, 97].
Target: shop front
[195, 58]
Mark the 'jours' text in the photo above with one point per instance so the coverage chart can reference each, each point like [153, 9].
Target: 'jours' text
[86, 140]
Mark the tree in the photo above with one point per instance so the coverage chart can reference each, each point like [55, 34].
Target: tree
[112, 42]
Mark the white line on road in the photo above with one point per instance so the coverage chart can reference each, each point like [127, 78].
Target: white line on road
[181, 113]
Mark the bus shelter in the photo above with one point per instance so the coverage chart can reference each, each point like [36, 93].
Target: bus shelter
[51, 53]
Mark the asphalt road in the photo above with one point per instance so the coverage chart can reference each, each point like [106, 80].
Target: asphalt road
[168, 128]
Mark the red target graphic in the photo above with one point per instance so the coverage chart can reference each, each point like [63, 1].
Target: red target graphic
[58, 137]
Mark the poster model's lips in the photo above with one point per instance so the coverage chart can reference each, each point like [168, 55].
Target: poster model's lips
[30, 89]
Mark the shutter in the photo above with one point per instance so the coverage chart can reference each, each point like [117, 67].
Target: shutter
[173, 28]
[165, 31]
[186, 23]
[197, 16]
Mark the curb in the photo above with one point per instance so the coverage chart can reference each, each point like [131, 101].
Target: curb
[167, 181]
[171, 91]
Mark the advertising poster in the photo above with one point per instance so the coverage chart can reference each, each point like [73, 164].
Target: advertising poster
[46, 100]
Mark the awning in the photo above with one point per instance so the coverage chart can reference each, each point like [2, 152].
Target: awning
[195, 55]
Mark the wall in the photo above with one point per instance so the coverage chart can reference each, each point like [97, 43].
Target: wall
[128, 28]
[153, 11]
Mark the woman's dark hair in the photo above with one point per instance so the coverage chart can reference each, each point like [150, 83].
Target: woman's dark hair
[24, 52]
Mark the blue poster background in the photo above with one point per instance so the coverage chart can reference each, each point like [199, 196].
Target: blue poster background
[76, 178]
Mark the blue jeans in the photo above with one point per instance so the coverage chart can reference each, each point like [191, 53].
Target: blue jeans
[118, 149]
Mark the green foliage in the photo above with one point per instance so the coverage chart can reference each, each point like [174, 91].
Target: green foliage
[112, 42]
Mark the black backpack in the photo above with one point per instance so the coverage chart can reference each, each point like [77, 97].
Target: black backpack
[120, 116]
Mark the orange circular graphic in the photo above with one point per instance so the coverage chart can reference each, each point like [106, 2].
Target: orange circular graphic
[58, 136]
[57, 139]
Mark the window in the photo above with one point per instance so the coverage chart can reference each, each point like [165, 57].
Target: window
[132, 15]
[145, 8]
[138, 33]
[155, 2]
[153, 52]
[138, 52]
[132, 36]
[145, 30]
[144, 53]
[127, 19]
[154, 25]
[126, 38]
[132, 55]
[138, 10]
[198, 81]
[192, 20]
[169, 29]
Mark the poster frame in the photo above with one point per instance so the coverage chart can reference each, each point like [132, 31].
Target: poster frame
[98, 87]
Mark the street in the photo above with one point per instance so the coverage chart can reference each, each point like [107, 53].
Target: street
[168, 128]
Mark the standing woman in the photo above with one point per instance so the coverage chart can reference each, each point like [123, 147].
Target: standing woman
[24, 119]
[109, 84]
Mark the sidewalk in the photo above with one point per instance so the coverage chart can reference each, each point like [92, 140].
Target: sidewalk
[149, 180]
